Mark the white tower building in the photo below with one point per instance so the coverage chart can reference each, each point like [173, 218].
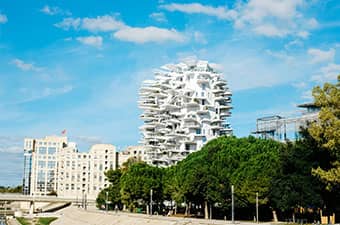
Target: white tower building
[185, 106]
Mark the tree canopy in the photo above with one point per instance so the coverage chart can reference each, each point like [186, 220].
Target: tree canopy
[326, 131]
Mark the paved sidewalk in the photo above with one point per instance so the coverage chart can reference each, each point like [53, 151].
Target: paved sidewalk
[12, 221]
[76, 216]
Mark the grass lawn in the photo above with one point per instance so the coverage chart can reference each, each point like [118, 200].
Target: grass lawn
[36, 221]
[46, 220]
[23, 221]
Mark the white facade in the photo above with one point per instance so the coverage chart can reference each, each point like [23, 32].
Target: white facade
[136, 152]
[58, 167]
[185, 106]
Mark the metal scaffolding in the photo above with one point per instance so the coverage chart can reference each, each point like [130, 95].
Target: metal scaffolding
[286, 128]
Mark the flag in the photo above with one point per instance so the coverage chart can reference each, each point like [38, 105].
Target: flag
[63, 132]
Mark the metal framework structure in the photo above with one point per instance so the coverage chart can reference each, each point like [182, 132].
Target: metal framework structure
[286, 128]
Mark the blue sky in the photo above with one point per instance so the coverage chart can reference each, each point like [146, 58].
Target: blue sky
[77, 65]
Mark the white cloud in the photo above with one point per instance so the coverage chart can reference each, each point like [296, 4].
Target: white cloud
[158, 16]
[274, 18]
[87, 139]
[148, 34]
[271, 18]
[280, 55]
[295, 43]
[219, 12]
[11, 144]
[327, 73]
[199, 37]
[303, 34]
[68, 23]
[36, 94]
[102, 23]
[312, 23]
[3, 18]
[99, 24]
[307, 95]
[269, 30]
[300, 85]
[53, 10]
[26, 66]
[258, 10]
[319, 55]
[122, 32]
[95, 41]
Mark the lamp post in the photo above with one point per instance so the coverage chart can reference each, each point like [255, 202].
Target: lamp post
[107, 194]
[83, 200]
[257, 207]
[151, 201]
[232, 204]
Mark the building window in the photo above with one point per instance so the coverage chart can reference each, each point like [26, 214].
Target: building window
[42, 150]
[41, 164]
[50, 164]
[52, 150]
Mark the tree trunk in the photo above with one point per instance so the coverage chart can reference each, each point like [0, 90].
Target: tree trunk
[293, 216]
[186, 209]
[206, 212]
[274, 216]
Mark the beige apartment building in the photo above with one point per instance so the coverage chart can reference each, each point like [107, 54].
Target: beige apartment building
[136, 152]
[55, 166]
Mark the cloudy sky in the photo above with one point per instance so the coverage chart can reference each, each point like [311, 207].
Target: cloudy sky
[77, 65]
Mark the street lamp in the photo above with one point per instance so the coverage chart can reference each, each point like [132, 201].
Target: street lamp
[107, 194]
[257, 207]
[151, 201]
[83, 199]
[232, 204]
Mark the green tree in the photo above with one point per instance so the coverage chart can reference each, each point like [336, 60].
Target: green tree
[114, 196]
[248, 163]
[294, 187]
[136, 183]
[327, 130]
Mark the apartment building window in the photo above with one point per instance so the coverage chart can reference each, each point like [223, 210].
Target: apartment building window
[41, 164]
[42, 150]
[50, 164]
[52, 150]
